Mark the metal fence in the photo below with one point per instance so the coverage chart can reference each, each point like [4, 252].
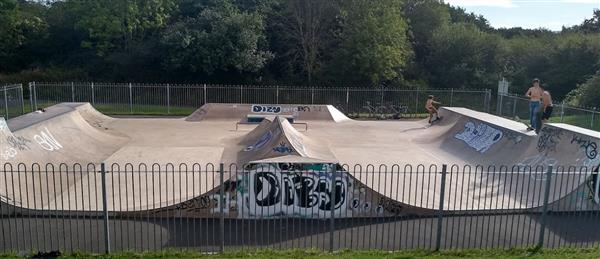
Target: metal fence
[517, 107]
[11, 101]
[179, 99]
[211, 208]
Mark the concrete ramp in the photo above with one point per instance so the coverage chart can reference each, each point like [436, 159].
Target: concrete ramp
[278, 138]
[293, 163]
[59, 135]
[244, 112]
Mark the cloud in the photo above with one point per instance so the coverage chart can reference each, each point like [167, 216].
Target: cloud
[581, 1]
[513, 3]
[492, 3]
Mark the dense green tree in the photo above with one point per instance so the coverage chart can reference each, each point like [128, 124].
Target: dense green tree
[219, 36]
[462, 56]
[587, 93]
[20, 27]
[460, 15]
[302, 32]
[374, 44]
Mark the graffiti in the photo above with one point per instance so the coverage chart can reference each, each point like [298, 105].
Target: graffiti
[266, 193]
[47, 141]
[266, 109]
[590, 148]
[538, 160]
[261, 142]
[5, 134]
[479, 136]
[297, 142]
[19, 143]
[389, 205]
[198, 203]
[282, 148]
[514, 137]
[9, 153]
[549, 138]
[303, 109]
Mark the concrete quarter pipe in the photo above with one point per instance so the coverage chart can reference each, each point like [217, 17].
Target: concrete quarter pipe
[279, 161]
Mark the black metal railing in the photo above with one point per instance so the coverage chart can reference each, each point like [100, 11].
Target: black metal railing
[101, 208]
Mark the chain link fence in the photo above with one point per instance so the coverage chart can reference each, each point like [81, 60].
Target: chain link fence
[177, 99]
[212, 208]
[517, 107]
[11, 101]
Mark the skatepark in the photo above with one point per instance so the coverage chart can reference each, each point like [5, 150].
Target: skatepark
[260, 161]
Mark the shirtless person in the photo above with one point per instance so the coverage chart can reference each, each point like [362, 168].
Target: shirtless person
[431, 108]
[547, 106]
[535, 96]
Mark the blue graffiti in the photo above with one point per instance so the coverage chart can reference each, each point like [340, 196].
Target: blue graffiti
[282, 148]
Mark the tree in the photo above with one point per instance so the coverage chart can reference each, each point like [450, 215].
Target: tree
[374, 46]
[586, 94]
[18, 28]
[462, 56]
[113, 24]
[218, 37]
[424, 18]
[303, 32]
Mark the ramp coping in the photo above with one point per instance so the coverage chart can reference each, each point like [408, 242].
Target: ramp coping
[501, 122]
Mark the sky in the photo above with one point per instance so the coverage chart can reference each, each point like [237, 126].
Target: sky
[531, 14]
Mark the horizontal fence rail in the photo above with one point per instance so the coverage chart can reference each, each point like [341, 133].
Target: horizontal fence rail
[11, 101]
[212, 208]
[177, 99]
[517, 107]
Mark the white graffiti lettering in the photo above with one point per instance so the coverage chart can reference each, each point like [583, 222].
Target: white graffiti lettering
[268, 193]
[47, 141]
[479, 136]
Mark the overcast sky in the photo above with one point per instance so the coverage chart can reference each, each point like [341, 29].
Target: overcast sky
[550, 14]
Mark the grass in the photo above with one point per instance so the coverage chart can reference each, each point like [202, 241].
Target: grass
[317, 254]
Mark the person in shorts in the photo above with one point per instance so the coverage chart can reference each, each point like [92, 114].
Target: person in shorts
[547, 106]
[431, 108]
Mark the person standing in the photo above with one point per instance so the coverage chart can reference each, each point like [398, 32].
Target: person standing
[547, 106]
[430, 106]
[535, 96]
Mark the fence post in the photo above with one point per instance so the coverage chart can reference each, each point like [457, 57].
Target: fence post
[514, 109]
[438, 238]
[347, 100]
[417, 104]
[204, 94]
[488, 100]
[105, 208]
[221, 210]
[5, 103]
[562, 110]
[332, 218]
[451, 96]
[35, 96]
[499, 104]
[130, 99]
[168, 99]
[593, 113]
[93, 97]
[312, 95]
[545, 208]
[22, 101]
[277, 95]
[30, 96]
[72, 92]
